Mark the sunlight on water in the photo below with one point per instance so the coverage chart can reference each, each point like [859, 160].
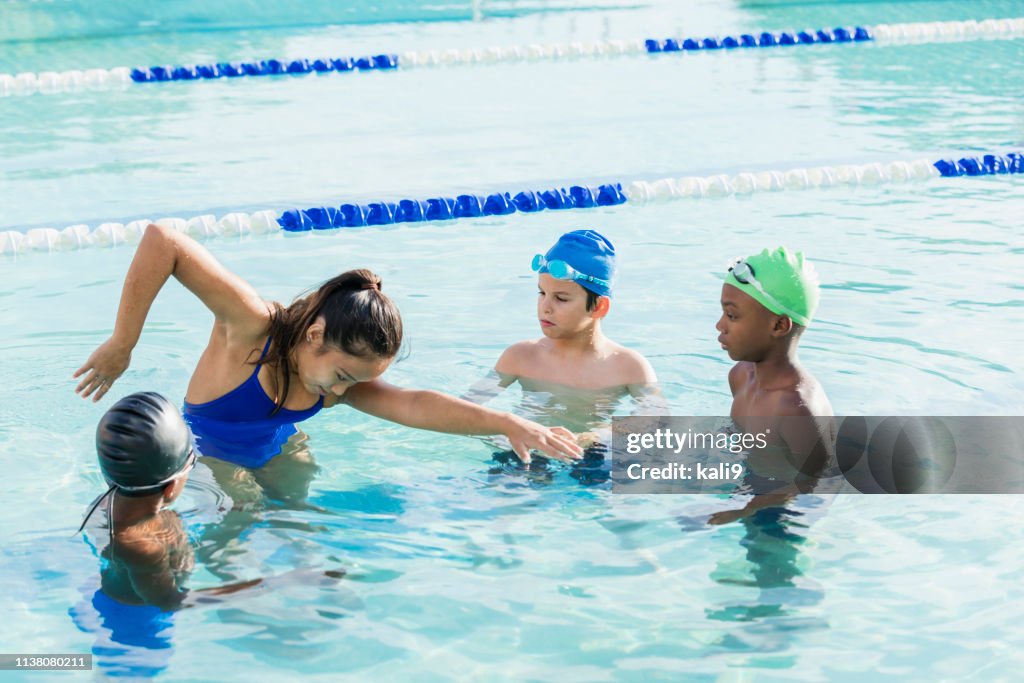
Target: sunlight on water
[460, 562]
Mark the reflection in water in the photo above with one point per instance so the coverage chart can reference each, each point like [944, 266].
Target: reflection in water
[131, 612]
[130, 640]
[133, 636]
[772, 541]
[767, 595]
[766, 592]
[281, 484]
[592, 469]
[585, 412]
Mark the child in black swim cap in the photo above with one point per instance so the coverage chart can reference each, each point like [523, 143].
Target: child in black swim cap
[145, 453]
[144, 446]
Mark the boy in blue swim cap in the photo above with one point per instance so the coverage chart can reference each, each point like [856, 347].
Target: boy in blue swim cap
[575, 279]
[768, 300]
[575, 282]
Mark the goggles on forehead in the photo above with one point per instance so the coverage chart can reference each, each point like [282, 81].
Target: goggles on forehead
[560, 270]
[744, 274]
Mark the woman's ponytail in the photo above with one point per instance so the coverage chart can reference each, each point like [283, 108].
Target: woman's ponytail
[358, 318]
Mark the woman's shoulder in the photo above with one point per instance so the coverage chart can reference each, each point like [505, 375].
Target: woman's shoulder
[254, 325]
[244, 333]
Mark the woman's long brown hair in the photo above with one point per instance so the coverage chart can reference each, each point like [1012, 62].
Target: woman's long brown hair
[358, 318]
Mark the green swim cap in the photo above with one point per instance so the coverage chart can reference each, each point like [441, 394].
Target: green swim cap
[781, 281]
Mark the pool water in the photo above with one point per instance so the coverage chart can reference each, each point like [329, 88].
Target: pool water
[459, 568]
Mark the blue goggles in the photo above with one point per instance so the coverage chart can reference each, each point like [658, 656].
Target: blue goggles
[560, 270]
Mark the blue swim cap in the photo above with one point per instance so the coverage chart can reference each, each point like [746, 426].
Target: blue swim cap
[589, 253]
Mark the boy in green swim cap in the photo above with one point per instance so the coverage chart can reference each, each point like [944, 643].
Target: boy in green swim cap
[768, 301]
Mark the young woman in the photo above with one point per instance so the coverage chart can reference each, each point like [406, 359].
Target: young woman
[267, 366]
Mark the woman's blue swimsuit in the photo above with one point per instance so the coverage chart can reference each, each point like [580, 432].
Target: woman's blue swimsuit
[238, 427]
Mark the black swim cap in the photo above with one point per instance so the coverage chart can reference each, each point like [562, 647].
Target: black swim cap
[142, 443]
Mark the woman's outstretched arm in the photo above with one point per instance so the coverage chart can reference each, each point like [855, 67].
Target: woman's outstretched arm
[443, 413]
[161, 253]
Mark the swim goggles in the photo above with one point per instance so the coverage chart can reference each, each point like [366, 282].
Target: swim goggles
[560, 270]
[744, 274]
[189, 464]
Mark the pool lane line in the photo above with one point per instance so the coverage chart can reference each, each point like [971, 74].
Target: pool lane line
[433, 209]
[48, 82]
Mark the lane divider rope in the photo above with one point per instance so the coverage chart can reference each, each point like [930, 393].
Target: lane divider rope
[48, 82]
[432, 209]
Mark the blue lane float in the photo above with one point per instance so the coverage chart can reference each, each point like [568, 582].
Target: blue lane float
[411, 210]
[857, 34]
[562, 198]
[75, 79]
[989, 164]
[275, 67]
[451, 208]
[266, 67]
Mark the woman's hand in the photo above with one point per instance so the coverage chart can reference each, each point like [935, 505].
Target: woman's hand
[105, 365]
[556, 442]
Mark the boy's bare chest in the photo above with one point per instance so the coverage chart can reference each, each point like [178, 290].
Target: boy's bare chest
[581, 373]
[749, 400]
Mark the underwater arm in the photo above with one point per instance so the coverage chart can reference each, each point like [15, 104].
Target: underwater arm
[148, 570]
[156, 583]
[161, 253]
[217, 594]
[758, 502]
[442, 413]
[806, 449]
[505, 372]
[487, 387]
[777, 498]
[648, 400]
[649, 412]
[649, 409]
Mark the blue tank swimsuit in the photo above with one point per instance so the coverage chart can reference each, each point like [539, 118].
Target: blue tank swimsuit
[238, 427]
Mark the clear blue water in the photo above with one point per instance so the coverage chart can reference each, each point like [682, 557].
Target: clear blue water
[457, 571]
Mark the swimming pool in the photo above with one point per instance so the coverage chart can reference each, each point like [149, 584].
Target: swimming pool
[455, 570]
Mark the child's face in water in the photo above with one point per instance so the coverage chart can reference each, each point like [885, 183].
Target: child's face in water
[745, 328]
[561, 307]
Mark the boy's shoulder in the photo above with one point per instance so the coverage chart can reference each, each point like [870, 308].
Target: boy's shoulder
[140, 547]
[740, 374]
[790, 402]
[807, 398]
[632, 366]
[517, 355]
[149, 542]
[804, 397]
